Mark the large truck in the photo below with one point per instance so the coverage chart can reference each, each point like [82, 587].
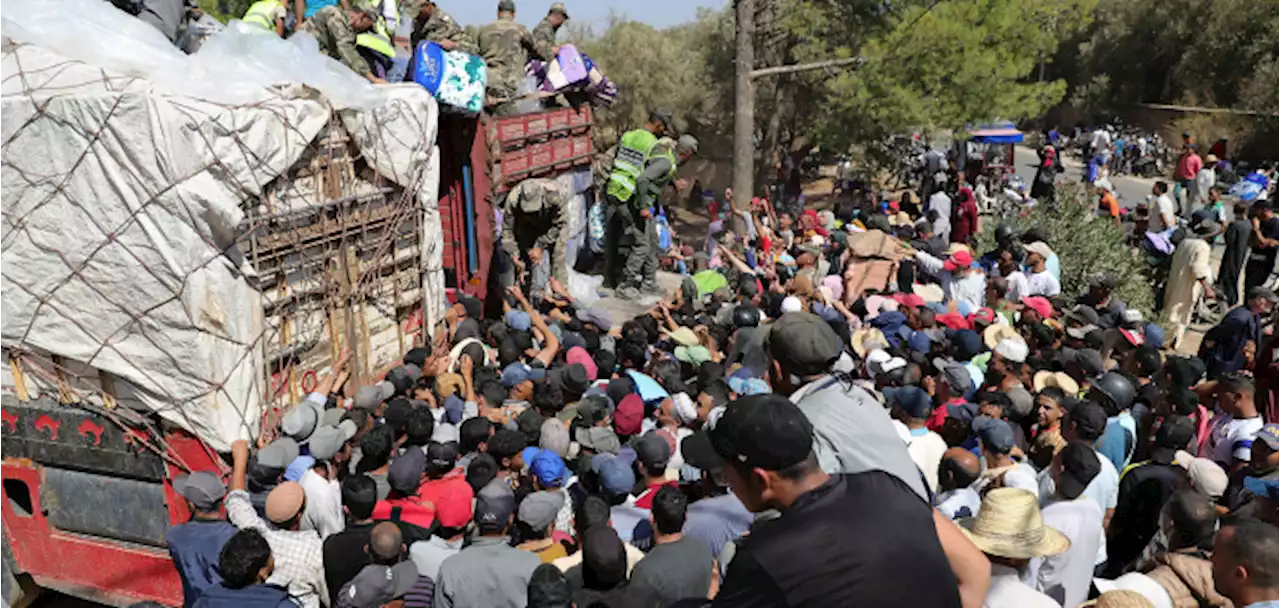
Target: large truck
[334, 254]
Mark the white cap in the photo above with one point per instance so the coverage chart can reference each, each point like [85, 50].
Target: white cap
[791, 304]
[1013, 350]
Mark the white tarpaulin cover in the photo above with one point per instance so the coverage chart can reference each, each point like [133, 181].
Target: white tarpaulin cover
[125, 168]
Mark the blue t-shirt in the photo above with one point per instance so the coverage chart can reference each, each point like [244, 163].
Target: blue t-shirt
[194, 547]
[1116, 443]
[315, 5]
[717, 520]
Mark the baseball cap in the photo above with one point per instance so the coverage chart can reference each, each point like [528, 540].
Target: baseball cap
[1013, 350]
[1039, 304]
[996, 435]
[959, 259]
[1270, 435]
[698, 452]
[652, 451]
[368, 397]
[579, 356]
[663, 116]
[599, 439]
[1260, 292]
[912, 400]
[538, 510]
[1090, 362]
[628, 418]
[441, 457]
[1080, 465]
[376, 585]
[519, 372]
[518, 320]
[763, 431]
[278, 454]
[327, 441]
[472, 305]
[1039, 248]
[957, 377]
[1082, 315]
[300, 422]
[285, 501]
[804, 342]
[616, 477]
[548, 587]
[1089, 418]
[548, 468]
[202, 488]
[595, 316]
[405, 473]
[1175, 433]
[495, 504]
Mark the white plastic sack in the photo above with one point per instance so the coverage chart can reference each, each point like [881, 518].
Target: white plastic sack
[582, 287]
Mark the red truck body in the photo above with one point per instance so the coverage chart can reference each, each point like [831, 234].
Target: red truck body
[87, 497]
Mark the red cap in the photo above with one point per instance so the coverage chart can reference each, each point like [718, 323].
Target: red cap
[910, 300]
[578, 354]
[452, 497]
[1040, 305]
[953, 320]
[984, 315]
[894, 206]
[959, 259]
[628, 416]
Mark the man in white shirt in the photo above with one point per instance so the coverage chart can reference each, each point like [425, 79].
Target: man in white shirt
[958, 470]
[912, 406]
[1040, 282]
[939, 207]
[1100, 141]
[323, 511]
[1066, 577]
[960, 281]
[1164, 215]
[1231, 436]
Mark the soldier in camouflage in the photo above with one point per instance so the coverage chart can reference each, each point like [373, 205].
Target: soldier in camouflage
[534, 220]
[335, 29]
[544, 34]
[506, 46]
[432, 24]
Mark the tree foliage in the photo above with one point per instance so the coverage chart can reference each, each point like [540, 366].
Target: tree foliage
[941, 64]
[1086, 246]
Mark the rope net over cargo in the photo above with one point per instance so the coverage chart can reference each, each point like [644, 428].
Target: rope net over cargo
[203, 260]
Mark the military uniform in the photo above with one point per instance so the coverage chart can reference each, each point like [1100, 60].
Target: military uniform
[534, 215]
[505, 46]
[440, 27]
[544, 39]
[332, 29]
[641, 267]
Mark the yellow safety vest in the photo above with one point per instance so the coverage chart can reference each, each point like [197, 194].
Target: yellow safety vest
[377, 39]
[260, 12]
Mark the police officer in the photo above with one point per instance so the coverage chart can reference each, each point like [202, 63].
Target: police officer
[544, 34]
[639, 275]
[375, 43]
[266, 14]
[335, 29]
[432, 24]
[505, 46]
[534, 224]
[629, 159]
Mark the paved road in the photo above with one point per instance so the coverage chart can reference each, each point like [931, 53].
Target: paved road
[1130, 190]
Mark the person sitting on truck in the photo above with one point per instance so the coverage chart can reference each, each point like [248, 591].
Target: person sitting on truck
[299, 563]
[246, 563]
[506, 46]
[640, 273]
[534, 223]
[434, 25]
[195, 545]
[335, 28]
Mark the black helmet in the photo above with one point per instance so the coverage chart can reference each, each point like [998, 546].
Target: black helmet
[1117, 388]
[745, 315]
[1004, 233]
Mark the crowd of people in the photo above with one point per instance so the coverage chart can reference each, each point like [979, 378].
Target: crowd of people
[835, 408]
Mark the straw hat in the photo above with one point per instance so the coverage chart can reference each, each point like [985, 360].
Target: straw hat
[929, 292]
[865, 337]
[1134, 582]
[1119, 599]
[993, 334]
[1045, 379]
[1009, 525]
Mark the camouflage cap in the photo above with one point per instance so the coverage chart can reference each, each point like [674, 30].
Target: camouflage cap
[558, 7]
[365, 7]
[663, 116]
[507, 5]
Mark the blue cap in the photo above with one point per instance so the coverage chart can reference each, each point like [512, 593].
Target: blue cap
[912, 400]
[918, 341]
[518, 320]
[615, 476]
[748, 386]
[548, 468]
[1262, 487]
[964, 412]
[1154, 335]
[995, 434]
[299, 466]
[453, 406]
[519, 372]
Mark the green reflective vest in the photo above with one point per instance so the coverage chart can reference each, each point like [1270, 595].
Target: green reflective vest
[628, 164]
[377, 39]
[260, 12]
[655, 187]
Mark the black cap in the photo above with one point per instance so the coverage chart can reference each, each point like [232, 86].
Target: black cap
[1080, 465]
[1175, 433]
[803, 343]
[495, 504]
[652, 451]
[698, 452]
[417, 355]
[1089, 418]
[442, 457]
[473, 306]
[405, 473]
[548, 588]
[763, 431]
[1260, 292]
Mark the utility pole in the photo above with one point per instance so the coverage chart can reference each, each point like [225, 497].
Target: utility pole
[744, 110]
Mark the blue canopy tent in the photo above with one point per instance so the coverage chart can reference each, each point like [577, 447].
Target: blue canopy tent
[995, 143]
